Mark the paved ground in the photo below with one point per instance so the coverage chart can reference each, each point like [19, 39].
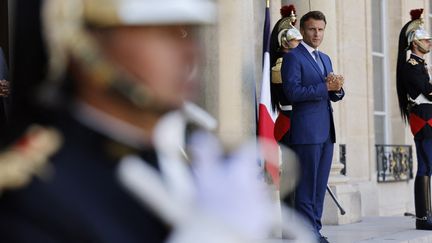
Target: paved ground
[376, 230]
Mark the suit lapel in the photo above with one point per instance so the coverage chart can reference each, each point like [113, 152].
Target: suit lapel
[308, 56]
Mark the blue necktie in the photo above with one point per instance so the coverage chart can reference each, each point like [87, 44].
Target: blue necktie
[319, 61]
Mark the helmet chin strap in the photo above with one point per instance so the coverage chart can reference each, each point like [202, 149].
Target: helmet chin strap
[421, 47]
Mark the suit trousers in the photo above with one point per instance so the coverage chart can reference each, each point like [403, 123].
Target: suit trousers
[424, 156]
[315, 164]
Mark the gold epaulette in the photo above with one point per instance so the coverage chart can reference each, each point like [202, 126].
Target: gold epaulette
[276, 71]
[28, 157]
[412, 61]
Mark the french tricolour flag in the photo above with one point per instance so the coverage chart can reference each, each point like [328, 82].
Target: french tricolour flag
[266, 117]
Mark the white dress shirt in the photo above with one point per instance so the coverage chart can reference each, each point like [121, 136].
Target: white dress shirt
[309, 49]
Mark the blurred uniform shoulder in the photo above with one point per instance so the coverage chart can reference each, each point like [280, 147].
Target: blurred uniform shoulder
[28, 157]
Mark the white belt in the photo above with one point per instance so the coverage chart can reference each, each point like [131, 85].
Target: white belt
[421, 99]
[286, 107]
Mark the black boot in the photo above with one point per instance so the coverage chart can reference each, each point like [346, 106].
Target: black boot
[422, 199]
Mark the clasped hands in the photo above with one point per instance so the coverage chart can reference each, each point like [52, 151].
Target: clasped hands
[334, 82]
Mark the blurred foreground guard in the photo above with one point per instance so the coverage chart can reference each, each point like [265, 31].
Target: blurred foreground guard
[414, 91]
[110, 72]
[95, 149]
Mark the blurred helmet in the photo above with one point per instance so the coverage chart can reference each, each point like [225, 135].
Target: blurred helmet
[65, 27]
[147, 12]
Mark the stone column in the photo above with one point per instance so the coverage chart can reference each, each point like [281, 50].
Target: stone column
[231, 69]
[347, 194]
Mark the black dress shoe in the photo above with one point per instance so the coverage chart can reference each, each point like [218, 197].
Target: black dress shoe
[424, 223]
[323, 239]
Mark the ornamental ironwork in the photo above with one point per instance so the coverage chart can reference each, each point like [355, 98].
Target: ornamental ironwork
[394, 163]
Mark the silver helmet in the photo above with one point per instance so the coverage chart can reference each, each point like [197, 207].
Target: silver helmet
[287, 31]
[416, 32]
[286, 35]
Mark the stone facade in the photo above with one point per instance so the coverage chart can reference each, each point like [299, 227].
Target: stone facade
[232, 71]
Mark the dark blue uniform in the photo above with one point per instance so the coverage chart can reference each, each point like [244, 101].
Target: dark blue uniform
[283, 105]
[415, 104]
[83, 201]
[416, 82]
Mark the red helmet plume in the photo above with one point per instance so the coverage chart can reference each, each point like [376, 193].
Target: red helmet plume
[416, 13]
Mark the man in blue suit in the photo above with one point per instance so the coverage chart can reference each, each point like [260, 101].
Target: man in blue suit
[310, 85]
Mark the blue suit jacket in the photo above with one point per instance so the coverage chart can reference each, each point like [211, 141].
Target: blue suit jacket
[304, 85]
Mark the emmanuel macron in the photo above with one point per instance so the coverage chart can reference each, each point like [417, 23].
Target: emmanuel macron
[310, 85]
